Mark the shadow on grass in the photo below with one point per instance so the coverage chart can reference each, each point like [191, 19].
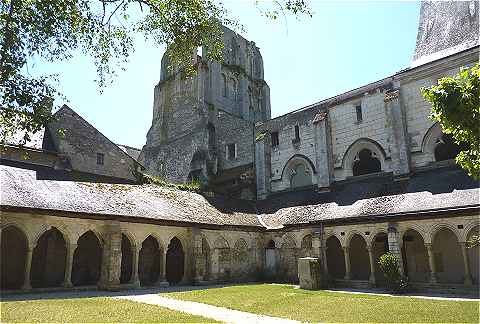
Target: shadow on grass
[92, 291]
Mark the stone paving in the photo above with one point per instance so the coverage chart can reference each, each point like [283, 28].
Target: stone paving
[217, 313]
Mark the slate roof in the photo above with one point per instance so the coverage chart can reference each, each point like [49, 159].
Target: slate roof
[131, 151]
[21, 189]
[447, 190]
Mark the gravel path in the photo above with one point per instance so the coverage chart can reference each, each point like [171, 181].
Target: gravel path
[217, 313]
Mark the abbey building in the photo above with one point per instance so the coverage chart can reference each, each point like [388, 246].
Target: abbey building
[345, 180]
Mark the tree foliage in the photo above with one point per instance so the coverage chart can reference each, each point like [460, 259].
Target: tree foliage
[456, 106]
[388, 263]
[54, 30]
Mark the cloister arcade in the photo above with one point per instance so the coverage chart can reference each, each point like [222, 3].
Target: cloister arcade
[432, 252]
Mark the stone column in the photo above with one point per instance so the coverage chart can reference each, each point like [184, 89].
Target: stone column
[372, 279]
[215, 264]
[111, 256]
[431, 262]
[323, 151]
[134, 279]
[162, 278]
[394, 246]
[399, 148]
[67, 280]
[347, 263]
[262, 164]
[468, 276]
[28, 266]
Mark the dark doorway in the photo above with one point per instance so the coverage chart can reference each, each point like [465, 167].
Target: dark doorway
[447, 149]
[366, 163]
[149, 262]
[127, 259]
[87, 260]
[14, 255]
[175, 261]
[48, 260]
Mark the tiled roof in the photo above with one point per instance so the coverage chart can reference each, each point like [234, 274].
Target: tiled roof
[21, 189]
[422, 193]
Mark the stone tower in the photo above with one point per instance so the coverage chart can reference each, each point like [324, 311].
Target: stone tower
[203, 126]
[446, 27]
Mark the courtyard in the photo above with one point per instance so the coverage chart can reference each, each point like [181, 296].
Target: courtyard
[236, 303]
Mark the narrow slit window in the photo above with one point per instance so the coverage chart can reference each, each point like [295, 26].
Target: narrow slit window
[358, 110]
[297, 132]
[231, 151]
[275, 139]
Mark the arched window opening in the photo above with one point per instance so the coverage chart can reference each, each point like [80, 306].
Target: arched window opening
[48, 260]
[87, 260]
[13, 257]
[271, 244]
[149, 262]
[175, 261]
[415, 257]
[211, 136]
[335, 258]
[300, 176]
[366, 162]
[127, 260]
[446, 148]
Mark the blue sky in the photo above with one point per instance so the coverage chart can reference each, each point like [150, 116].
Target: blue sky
[345, 45]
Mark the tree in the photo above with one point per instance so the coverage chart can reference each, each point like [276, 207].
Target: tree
[456, 106]
[104, 29]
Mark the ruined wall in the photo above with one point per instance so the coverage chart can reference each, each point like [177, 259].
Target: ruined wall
[195, 118]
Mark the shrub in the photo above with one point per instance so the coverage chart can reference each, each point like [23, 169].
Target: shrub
[389, 265]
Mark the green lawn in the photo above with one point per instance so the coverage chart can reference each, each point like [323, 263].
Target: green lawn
[321, 306]
[90, 310]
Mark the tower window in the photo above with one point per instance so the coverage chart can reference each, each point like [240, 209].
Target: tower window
[358, 110]
[275, 139]
[100, 158]
[297, 132]
[224, 86]
[231, 151]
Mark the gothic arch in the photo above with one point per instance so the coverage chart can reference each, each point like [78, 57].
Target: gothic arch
[438, 227]
[352, 233]
[14, 244]
[221, 243]
[362, 144]
[466, 231]
[439, 146]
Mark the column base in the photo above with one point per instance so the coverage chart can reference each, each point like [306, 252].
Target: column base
[433, 279]
[372, 281]
[27, 287]
[163, 284]
[67, 284]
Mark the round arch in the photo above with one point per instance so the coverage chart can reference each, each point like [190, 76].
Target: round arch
[352, 154]
[414, 255]
[14, 245]
[299, 170]
[447, 254]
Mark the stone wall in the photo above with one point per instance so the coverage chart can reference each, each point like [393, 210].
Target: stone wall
[81, 143]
